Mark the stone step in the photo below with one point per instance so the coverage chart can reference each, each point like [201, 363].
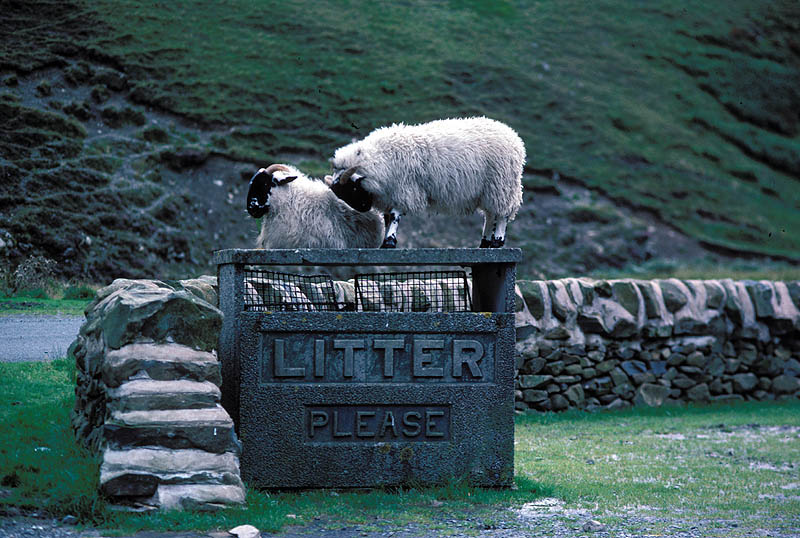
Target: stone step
[149, 394]
[162, 362]
[203, 498]
[138, 472]
[204, 429]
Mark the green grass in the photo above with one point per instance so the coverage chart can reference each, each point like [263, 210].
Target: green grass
[39, 460]
[700, 270]
[672, 465]
[41, 305]
[713, 462]
[54, 298]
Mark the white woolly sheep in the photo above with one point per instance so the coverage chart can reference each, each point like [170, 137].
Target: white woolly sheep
[452, 166]
[300, 212]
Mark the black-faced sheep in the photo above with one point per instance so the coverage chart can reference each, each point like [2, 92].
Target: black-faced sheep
[299, 212]
[452, 166]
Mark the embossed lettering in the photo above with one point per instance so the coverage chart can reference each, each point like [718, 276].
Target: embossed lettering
[409, 423]
[430, 424]
[336, 432]
[360, 424]
[319, 358]
[370, 423]
[388, 422]
[461, 356]
[388, 347]
[423, 359]
[319, 419]
[281, 370]
[299, 358]
[349, 346]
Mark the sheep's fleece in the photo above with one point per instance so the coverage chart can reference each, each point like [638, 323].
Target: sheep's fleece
[453, 166]
[305, 213]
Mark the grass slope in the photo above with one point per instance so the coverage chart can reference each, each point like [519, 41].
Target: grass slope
[688, 110]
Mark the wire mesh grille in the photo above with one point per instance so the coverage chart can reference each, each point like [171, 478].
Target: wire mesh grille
[266, 291]
[423, 291]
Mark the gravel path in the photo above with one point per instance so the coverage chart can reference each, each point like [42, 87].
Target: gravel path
[538, 519]
[28, 337]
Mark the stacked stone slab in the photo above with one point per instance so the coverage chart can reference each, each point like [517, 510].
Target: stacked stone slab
[147, 396]
[585, 343]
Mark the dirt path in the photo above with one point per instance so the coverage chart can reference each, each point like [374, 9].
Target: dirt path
[507, 526]
[542, 518]
[27, 337]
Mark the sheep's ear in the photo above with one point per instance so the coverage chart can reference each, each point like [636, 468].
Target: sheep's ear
[284, 181]
[258, 194]
[352, 193]
[328, 180]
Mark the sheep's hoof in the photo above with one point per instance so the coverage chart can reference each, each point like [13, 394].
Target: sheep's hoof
[497, 243]
[389, 242]
[485, 243]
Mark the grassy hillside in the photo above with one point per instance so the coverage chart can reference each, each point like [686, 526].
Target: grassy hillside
[687, 110]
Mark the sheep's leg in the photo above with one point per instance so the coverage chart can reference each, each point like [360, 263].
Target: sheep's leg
[499, 234]
[391, 220]
[494, 231]
[489, 223]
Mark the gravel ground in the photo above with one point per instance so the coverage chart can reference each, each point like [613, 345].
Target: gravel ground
[28, 337]
[542, 518]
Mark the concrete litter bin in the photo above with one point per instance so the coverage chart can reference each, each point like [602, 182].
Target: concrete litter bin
[410, 381]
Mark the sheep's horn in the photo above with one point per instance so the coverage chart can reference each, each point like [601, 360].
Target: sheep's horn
[275, 167]
[347, 174]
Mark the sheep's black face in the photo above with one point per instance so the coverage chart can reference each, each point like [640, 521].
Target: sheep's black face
[258, 194]
[352, 193]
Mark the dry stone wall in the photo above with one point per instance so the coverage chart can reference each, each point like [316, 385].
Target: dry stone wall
[614, 343]
[592, 344]
[147, 396]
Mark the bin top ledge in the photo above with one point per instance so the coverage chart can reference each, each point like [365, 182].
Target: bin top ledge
[369, 256]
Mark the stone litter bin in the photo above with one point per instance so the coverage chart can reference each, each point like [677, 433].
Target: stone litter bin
[409, 381]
